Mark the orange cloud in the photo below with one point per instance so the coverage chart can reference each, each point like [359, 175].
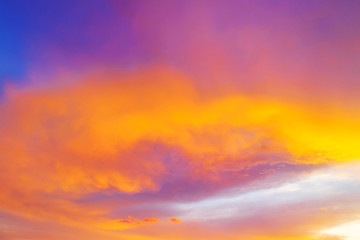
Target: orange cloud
[175, 220]
[130, 133]
[135, 221]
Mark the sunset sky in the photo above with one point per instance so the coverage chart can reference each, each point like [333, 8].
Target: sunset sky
[179, 120]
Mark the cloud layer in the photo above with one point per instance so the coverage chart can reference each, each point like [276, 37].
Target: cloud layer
[142, 120]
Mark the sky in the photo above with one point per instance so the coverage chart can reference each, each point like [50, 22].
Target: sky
[172, 120]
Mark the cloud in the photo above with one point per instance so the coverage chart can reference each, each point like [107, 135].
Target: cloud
[175, 220]
[289, 210]
[135, 221]
[82, 152]
[239, 118]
